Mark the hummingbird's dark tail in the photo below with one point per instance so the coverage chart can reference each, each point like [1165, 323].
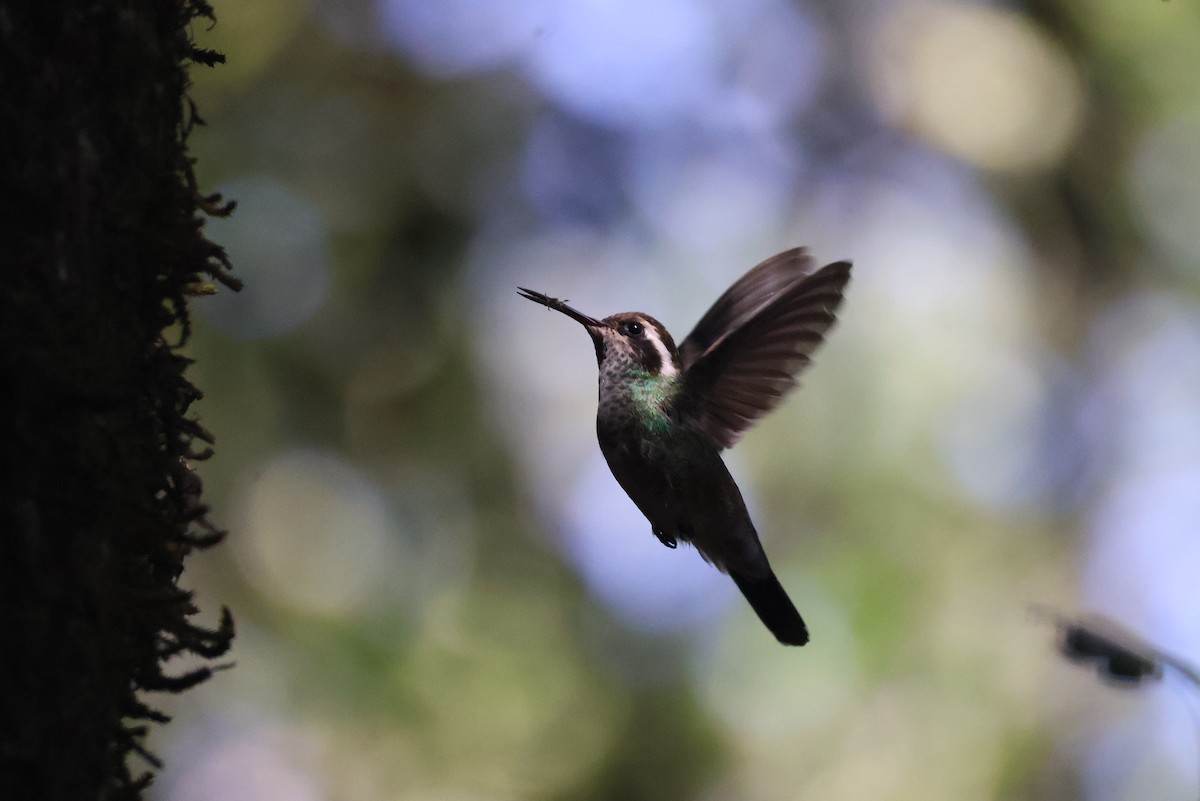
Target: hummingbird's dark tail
[775, 609]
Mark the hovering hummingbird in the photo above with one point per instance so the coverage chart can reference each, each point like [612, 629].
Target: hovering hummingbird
[665, 413]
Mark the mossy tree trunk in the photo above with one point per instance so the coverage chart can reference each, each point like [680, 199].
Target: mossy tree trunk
[101, 244]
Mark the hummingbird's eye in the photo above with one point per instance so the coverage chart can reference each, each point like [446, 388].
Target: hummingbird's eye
[632, 328]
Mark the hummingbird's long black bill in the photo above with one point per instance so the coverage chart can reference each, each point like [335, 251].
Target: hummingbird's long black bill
[560, 306]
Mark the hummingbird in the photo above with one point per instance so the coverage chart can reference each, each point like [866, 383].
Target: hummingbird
[665, 413]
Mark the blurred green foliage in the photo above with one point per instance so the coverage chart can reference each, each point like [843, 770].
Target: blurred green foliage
[416, 622]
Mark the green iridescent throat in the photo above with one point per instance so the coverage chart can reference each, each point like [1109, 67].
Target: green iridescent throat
[651, 395]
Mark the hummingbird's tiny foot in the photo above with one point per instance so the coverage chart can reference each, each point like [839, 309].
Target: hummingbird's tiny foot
[665, 539]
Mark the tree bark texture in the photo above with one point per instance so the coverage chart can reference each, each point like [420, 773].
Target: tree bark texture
[101, 244]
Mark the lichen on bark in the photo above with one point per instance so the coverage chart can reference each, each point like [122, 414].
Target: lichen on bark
[101, 246]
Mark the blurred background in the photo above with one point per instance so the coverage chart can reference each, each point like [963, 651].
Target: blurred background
[442, 594]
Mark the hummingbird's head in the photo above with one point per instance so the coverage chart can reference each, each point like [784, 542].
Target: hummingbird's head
[629, 340]
[639, 340]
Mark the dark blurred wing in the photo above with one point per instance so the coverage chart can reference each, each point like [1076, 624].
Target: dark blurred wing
[741, 301]
[1119, 655]
[746, 368]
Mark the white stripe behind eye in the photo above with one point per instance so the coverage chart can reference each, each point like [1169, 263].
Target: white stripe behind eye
[664, 353]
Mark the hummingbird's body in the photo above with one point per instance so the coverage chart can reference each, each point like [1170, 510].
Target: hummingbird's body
[674, 475]
[664, 413]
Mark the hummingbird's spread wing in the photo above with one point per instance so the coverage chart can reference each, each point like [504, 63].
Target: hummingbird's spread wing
[747, 296]
[746, 368]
